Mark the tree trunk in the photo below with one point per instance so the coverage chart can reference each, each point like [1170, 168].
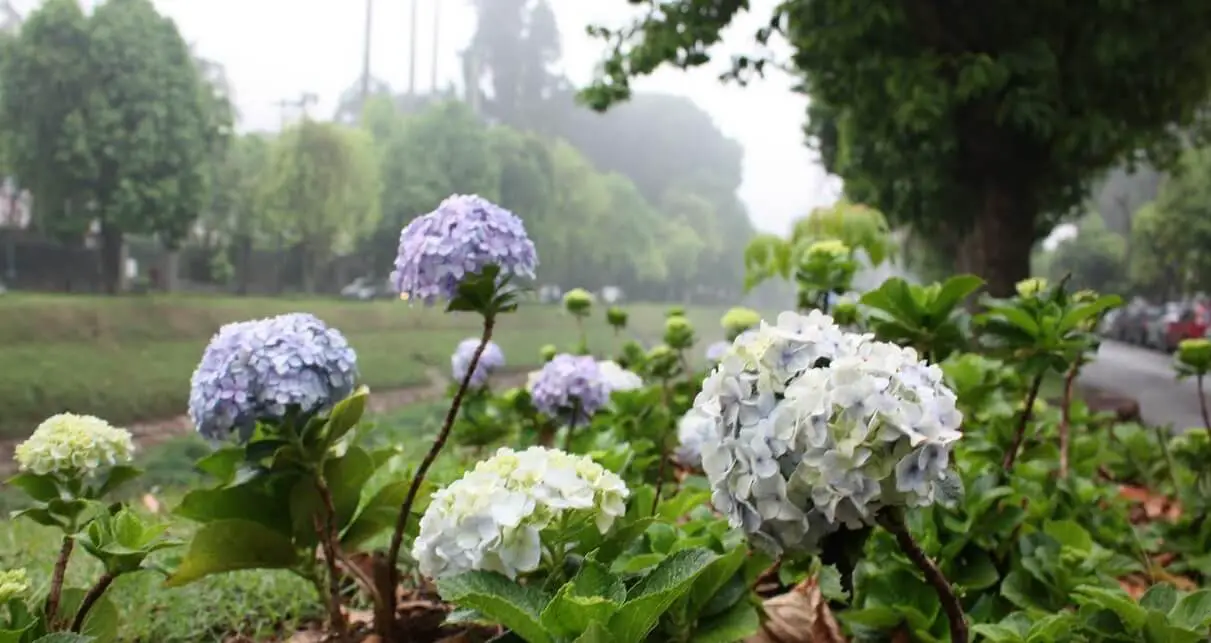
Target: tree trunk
[243, 272]
[998, 247]
[113, 259]
[170, 269]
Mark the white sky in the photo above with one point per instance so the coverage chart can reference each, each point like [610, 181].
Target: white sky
[276, 49]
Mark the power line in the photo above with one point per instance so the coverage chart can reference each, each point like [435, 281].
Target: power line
[437, 23]
[366, 51]
[412, 51]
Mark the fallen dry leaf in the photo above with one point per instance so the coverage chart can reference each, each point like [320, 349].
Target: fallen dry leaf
[1149, 506]
[801, 615]
[151, 504]
[307, 636]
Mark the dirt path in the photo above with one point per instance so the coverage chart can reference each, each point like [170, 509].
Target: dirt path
[156, 431]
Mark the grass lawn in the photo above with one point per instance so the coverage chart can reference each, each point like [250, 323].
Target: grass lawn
[257, 603]
[130, 358]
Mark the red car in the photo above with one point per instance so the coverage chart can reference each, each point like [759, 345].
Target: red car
[1191, 323]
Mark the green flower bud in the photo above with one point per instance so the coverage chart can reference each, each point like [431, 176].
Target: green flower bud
[678, 332]
[1195, 354]
[14, 584]
[548, 352]
[828, 248]
[1031, 287]
[662, 361]
[675, 311]
[737, 320]
[616, 317]
[845, 313]
[578, 301]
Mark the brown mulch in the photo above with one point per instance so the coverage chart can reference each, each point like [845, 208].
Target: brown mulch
[1148, 507]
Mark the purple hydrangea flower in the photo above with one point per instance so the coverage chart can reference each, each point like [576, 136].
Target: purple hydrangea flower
[464, 235]
[491, 360]
[570, 383]
[717, 350]
[255, 370]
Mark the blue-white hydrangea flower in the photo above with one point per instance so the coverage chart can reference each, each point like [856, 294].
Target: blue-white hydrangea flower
[570, 387]
[716, 351]
[617, 378]
[490, 361]
[694, 430]
[255, 370]
[464, 235]
[815, 429]
[74, 445]
[494, 517]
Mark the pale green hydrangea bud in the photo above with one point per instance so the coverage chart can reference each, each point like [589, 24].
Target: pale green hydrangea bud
[616, 317]
[14, 584]
[829, 248]
[578, 301]
[1196, 354]
[678, 333]
[845, 313]
[737, 320]
[1032, 287]
[73, 445]
[675, 311]
[548, 352]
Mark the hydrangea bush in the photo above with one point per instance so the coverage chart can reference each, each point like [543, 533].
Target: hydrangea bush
[492, 359]
[570, 388]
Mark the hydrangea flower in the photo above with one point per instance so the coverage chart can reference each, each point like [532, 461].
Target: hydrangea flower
[815, 429]
[255, 370]
[570, 387]
[693, 430]
[491, 360]
[464, 235]
[74, 445]
[617, 378]
[493, 517]
[14, 583]
[716, 351]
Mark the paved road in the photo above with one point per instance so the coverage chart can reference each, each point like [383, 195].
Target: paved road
[1146, 376]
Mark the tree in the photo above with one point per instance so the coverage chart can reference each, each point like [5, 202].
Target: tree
[321, 191]
[1171, 238]
[1095, 257]
[992, 119]
[234, 224]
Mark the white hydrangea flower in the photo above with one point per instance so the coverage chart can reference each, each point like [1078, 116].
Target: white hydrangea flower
[694, 429]
[814, 428]
[14, 583]
[74, 444]
[493, 517]
[617, 378]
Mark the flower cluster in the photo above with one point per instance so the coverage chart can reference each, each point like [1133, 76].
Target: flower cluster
[464, 235]
[494, 517]
[813, 429]
[569, 387]
[256, 370]
[693, 430]
[14, 584]
[716, 350]
[72, 445]
[617, 378]
[491, 360]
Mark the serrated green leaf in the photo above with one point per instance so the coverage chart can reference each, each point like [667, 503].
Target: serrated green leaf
[102, 622]
[1192, 611]
[66, 637]
[597, 633]
[232, 545]
[517, 607]
[1161, 597]
[736, 624]
[648, 600]
[345, 415]
[592, 596]
[42, 488]
[114, 478]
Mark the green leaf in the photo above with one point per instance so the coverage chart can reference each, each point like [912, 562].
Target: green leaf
[1018, 318]
[222, 464]
[232, 545]
[712, 579]
[736, 624]
[997, 633]
[264, 499]
[1193, 611]
[953, 292]
[42, 488]
[116, 477]
[974, 570]
[1117, 601]
[679, 505]
[622, 538]
[102, 622]
[1160, 597]
[345, 415]
[517, 607]
[597, 633]
[66, 637]
[345, 477]
[592, 596]
[652, 596]
[382, 510]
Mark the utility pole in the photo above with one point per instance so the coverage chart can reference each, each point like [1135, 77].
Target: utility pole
[366, 52]
[412, 51]
[302, 103]
[437, 24]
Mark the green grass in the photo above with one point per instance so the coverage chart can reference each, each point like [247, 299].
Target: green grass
[256, 603]
[129, 359]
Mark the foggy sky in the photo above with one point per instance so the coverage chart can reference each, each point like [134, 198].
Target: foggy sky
[277, 49]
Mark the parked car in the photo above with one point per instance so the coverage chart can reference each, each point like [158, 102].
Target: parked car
[1190, 322]
[1156, 326]
[366, 289]
[1129, 324]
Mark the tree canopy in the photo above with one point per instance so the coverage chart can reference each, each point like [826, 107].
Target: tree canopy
[990, 120]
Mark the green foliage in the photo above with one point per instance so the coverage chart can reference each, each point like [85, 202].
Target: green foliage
[930, 318]
[1095, 258]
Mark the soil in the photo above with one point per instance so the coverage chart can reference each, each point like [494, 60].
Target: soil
[153, 432]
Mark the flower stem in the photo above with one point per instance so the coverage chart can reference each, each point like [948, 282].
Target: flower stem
[336, 619]
[401, 522]
[567, 437]
[56, 580]
[1202, 403]
[94, 594]
[1023, 422]
[330, 533]
[892, 520]
[1066, 416]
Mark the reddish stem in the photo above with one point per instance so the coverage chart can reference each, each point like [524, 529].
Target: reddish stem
[1066, 417]
[1023, 422]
